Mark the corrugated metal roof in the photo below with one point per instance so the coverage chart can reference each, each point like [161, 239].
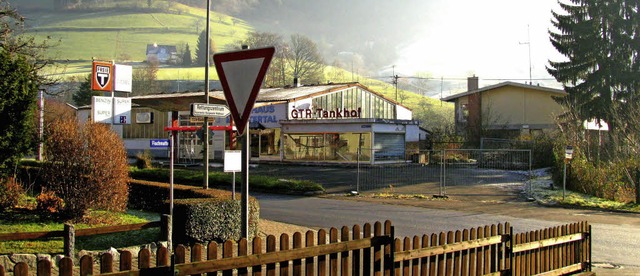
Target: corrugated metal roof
[289, 93]
[183, 100]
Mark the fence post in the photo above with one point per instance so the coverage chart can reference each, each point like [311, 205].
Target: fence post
[165, 228]
[510, 255]
[637, 186]
[443, 185]
[69, 240]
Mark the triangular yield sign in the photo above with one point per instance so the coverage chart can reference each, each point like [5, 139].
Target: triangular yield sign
[241, 74]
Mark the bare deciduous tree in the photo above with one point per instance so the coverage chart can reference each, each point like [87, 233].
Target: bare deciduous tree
[305, 59]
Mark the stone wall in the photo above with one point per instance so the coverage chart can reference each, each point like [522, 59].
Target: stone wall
[8, 261]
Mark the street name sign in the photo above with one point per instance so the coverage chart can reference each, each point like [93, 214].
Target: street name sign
[209, 110]
[159, 143]
[241, 74]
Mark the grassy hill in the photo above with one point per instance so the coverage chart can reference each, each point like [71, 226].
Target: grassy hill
[432, 113]
[121, 30]
[121, 33]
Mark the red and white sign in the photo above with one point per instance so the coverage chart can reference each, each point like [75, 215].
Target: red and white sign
[241, 74]
[102, 76]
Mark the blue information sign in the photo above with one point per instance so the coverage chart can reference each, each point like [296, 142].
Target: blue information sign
[159, 143]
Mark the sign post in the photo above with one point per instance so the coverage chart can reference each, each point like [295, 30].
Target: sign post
[568, 155]
[241, 74]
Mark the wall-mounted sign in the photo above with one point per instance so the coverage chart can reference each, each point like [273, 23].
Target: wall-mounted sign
[319, 113]
[144, 118]
[159, 143]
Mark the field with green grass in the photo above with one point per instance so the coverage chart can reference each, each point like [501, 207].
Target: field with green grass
[122, 33]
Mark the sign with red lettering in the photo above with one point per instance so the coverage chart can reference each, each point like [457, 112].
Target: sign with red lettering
[241, 74]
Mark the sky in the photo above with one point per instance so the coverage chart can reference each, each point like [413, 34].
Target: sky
[490, 39]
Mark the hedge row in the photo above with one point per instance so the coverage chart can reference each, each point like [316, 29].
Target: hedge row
[198, 215]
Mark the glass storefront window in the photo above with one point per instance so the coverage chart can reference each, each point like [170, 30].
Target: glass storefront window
[327, 147]
[372, 106]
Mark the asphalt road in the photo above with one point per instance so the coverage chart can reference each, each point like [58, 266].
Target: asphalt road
[616, 239]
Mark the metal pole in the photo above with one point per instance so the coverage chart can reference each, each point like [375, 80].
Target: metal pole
[530, 176]
[444, 172]
[171, 163]
[564, 180]
[205, 127]
[358, 163]
[245, 184]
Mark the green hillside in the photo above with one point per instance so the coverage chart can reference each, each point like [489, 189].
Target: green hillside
[432, 113]
[122, 34]
[120, 31]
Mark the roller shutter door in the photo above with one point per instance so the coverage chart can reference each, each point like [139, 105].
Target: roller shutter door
[389, 146]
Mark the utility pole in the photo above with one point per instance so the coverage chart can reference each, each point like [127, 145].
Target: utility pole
[205, 127]
[395, 79]
[441, 87]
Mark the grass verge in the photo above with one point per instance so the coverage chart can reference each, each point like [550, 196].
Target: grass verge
[223, 180]
[24, 219]
[545, 193]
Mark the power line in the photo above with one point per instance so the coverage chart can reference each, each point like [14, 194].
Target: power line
[459, 79]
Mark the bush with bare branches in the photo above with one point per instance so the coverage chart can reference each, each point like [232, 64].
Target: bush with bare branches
[86, 166]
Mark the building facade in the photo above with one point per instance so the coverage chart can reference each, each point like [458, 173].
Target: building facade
[328, 123]
[507, 106]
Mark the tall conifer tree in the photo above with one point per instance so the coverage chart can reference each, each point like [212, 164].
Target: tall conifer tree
[201, 49]
[601, 73]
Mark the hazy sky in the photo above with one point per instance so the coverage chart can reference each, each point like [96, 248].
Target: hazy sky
[452, 39]
[485, 38]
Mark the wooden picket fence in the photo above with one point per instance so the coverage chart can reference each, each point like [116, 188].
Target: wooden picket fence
[367, 250]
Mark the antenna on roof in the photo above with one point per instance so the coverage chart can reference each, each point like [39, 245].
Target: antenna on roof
[528, 43]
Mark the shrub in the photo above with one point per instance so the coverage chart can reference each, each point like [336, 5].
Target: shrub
[86, 167]
[143, 160]
[48, 203]
[199, 215]
[10, 193]
[201, 220]
[608, 180]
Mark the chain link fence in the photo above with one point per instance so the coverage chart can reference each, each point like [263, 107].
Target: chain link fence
[429, 172]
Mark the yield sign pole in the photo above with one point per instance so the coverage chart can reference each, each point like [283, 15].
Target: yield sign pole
[241, 74]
